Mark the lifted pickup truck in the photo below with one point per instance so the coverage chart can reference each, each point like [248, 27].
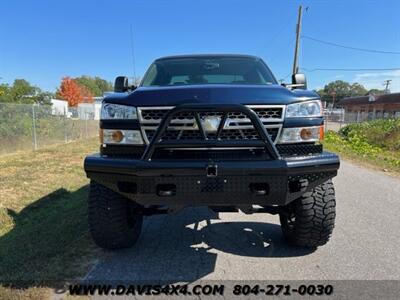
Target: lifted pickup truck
[216, 131]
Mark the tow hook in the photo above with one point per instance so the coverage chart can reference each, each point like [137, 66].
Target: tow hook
[212, 170]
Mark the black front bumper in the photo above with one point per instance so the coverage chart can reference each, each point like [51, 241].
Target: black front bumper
[236, 182]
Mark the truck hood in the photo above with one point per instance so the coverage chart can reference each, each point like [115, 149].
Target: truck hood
[211, 93]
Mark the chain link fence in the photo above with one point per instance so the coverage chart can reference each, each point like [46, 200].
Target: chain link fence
[32, 126]
[338, 118]
[334, 119]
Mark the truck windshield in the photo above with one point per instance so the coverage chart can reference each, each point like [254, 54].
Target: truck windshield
[221, 70]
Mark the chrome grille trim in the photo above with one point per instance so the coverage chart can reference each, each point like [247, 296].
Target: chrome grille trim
[140, 115]
[255, 108]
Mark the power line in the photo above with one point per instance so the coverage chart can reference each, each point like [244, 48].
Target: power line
[281, 29]
[349, 47]
[279, 33]
[284, 78]
[349, 70]
[275, 57]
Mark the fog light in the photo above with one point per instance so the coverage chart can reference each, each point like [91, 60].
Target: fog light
[120, 136]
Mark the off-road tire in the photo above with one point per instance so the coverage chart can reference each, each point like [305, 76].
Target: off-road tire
[310, 219]
[113, 220]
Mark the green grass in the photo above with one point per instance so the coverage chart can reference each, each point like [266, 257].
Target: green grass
[376, 143]
[44, 236]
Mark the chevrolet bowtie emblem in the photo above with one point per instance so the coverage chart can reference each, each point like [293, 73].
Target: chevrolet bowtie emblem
[210, 124]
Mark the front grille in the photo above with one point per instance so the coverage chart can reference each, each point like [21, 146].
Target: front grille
[298, 149]
[266, 114]
[285, 150]
[230, 134]
[237, 126]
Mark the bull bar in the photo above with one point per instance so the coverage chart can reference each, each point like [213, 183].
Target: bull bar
[149, 181]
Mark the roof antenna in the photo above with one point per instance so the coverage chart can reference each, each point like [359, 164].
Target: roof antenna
[133, 56]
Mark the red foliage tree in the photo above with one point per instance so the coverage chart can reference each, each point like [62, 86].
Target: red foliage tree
[87, 96]
[72, 92]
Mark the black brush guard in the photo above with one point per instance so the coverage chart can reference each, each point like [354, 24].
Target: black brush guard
[150, 181]
[264, 141]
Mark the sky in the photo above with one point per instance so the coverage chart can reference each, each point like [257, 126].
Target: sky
[44, 40]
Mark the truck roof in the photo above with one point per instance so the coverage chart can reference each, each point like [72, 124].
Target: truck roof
[208, 56]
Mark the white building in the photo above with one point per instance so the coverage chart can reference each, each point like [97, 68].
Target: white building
[84, 111]
[90, 111]
[59, 107]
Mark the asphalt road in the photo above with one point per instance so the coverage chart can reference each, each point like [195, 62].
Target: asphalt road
[183, 248]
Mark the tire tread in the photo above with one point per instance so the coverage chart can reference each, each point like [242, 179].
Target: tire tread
[315, 214]
[108, 214]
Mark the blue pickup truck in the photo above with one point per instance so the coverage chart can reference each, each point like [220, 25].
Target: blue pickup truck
[216, 131]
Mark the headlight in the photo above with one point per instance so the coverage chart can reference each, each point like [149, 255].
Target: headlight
[301, 134]
[111, 111]
[121, 137]
[304, 109]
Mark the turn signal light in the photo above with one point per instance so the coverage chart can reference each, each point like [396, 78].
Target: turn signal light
[117, 136]
[121, 136]
[301, 134]
[321, 133]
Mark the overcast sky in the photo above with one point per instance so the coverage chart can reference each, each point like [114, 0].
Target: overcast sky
[42, 41]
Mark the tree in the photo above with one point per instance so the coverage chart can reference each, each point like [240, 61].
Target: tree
[340, 89]
[44, 98]
[86, 94]
[74, 93]
[4, 91]
[104, 85]
[357, 89]
[96, 85]
[376, 92]
[89, 84]
[22, 92]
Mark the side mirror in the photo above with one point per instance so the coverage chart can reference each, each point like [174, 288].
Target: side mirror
[121, 84]
[299, 81]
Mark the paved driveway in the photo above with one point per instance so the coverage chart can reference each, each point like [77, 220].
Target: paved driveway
[195, 245]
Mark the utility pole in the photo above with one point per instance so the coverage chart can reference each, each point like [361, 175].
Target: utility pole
[386, 84]
[297, 48]
[333, 94]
